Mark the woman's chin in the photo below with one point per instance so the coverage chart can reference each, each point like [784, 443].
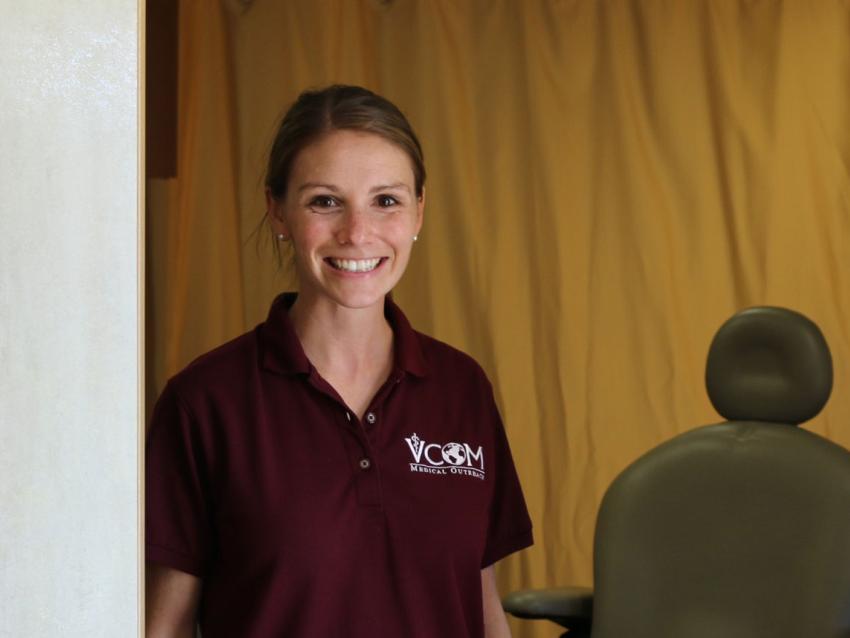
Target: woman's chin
[351, 297]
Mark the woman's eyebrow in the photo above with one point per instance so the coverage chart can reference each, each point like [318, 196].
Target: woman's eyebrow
[386, 187]
[308, 185]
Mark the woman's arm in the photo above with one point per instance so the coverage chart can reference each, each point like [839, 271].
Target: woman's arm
[171, 602]
[495, 621]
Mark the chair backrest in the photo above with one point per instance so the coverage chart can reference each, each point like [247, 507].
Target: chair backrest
[740, 529]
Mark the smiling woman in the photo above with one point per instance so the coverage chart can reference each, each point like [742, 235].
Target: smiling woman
[333, 472]
[352, 213]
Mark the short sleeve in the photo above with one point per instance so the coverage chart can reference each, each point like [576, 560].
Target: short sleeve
[177, 530]
[510, 525]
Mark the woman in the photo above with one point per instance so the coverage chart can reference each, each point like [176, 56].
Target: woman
[333, 472]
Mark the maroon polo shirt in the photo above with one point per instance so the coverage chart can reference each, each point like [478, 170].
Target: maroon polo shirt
[304, 521]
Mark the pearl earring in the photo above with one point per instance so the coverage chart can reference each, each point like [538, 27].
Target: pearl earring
[415, 237]
[281, 237]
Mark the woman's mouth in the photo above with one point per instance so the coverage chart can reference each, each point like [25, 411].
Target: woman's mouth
[355, 265]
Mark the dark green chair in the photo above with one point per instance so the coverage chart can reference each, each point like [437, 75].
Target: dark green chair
[734, 530]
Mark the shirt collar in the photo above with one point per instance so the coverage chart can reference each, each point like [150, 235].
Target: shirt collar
[282, 351]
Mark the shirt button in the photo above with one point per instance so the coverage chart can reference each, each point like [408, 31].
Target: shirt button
[365, 464]
[371, 418]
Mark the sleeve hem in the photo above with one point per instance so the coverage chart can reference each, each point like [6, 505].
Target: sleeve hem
[176, 560]
[508, 546]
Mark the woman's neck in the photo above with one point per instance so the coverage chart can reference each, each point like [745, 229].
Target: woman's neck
[343, 343]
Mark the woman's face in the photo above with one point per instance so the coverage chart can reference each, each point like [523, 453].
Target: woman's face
[351, 212]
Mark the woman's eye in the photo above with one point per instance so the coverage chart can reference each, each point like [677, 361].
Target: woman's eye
[385, 201]
[323, 201]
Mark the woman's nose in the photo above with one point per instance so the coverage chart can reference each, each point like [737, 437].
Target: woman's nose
[354, 226]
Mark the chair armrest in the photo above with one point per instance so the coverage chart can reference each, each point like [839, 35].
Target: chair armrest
[570, 607]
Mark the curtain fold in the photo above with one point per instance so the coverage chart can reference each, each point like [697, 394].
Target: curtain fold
[194, 250]
[608, 182]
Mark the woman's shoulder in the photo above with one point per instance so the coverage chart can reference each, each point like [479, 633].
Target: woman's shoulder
[447, 360]
[219, 368]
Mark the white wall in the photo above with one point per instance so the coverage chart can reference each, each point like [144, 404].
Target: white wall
[69, 358]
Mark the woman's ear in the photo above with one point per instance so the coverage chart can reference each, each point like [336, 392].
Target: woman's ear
[275, 212]
[420, 210]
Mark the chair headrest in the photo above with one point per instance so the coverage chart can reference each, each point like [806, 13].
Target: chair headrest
[769, 364]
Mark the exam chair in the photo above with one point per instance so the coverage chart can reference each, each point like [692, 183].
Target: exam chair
[734, 530]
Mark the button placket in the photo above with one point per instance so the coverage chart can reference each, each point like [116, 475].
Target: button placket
[366, 475]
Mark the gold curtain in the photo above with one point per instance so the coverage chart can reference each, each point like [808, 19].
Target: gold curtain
[608, 182]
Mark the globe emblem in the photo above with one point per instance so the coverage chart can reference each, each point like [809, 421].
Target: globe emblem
[454, 454]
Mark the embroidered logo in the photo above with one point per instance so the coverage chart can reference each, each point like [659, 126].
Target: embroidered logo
[451, 458]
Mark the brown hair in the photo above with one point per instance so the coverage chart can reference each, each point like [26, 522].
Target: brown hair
[338, 107]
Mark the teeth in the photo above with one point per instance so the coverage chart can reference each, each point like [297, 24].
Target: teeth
[355, 265]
